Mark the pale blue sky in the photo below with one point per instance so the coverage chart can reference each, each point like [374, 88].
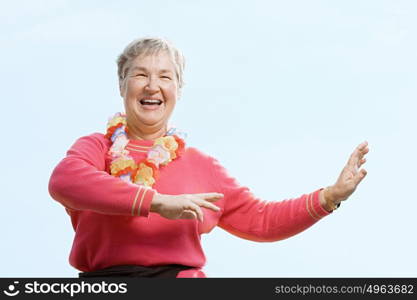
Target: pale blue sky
[279, 91]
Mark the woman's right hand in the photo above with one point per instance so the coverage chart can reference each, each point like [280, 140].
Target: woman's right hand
[184, 206]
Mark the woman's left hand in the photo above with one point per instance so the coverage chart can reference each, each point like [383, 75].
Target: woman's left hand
[349, 178]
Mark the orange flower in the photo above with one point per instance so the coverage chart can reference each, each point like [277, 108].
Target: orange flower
[117, 121]
[112, 129]
[169, 143]
[181, 145]
[145, 174]
[164, 150]
[159, 155]
[122, 165]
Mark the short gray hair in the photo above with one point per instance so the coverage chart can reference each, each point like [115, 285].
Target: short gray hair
[150, 46]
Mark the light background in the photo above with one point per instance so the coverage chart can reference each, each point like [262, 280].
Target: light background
[279, 91]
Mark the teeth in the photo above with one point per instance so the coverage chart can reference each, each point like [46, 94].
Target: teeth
[150, 101]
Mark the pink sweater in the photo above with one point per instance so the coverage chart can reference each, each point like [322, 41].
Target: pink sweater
[113, 225]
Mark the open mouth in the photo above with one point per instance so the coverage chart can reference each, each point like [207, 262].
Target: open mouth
[150, 102]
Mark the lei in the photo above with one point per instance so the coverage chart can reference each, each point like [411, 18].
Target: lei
[145, 172]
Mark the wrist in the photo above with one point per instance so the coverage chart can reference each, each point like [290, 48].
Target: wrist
[156, 202]
[328, 199]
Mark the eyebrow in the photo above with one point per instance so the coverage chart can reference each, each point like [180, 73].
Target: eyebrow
[144, 69]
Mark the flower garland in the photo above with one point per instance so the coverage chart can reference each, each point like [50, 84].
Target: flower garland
[164, 150]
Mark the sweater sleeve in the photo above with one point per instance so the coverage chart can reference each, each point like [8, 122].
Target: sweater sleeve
[80, 182]
[253, 219]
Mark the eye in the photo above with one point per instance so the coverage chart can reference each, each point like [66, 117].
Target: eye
[140, 75]
[166, 77]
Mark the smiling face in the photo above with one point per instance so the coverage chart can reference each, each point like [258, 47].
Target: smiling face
[149, 90]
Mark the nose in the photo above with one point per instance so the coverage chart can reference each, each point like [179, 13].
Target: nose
[152, 86]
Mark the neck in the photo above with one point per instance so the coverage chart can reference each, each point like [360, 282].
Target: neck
[151, 133]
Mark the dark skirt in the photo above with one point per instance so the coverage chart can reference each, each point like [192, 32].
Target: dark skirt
[167, 271]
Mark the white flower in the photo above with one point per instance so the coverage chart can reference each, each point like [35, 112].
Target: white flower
[118, 147]
[125, 177]
[118, 132]
[159, 155]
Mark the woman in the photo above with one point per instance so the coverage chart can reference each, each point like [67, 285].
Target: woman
[139, 199]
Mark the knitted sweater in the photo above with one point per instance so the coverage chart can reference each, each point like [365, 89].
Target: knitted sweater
[113, 224]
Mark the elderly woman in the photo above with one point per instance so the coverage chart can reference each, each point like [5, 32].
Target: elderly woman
[139, 199]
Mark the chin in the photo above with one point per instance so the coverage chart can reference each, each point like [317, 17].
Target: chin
[150, 121]
[146, 118]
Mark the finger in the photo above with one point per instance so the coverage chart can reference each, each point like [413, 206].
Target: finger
[354, 159]
[363, 152]
[363, 145]
[363, 148]
[360, 176]
[188, 214]
[195, 208]
[361, 162]
[209, 196]
[206, 204]
[358, 154]
[361, 157]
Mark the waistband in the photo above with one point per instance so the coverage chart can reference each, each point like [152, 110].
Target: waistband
[166, 271]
